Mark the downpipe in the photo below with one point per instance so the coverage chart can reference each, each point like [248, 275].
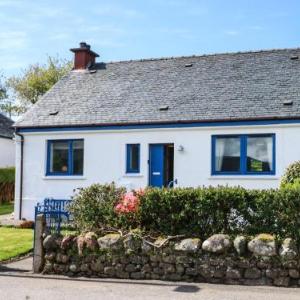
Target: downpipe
[21, 173]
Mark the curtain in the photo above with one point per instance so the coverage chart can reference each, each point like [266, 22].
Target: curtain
[220, 151]
[270, 152]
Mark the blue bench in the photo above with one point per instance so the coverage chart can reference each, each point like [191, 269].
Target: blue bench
[55, 212]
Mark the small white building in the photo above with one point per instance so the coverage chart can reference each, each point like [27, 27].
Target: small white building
[7, 145]
[225, 119]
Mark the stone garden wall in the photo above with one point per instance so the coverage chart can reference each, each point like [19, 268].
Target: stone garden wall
[219, 259]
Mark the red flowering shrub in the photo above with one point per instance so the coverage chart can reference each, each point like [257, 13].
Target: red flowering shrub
[129, 203]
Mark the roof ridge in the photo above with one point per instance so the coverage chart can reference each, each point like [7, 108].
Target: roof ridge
[202, 55]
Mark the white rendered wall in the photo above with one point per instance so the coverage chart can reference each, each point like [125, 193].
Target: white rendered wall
[7, 153]
[104, 160]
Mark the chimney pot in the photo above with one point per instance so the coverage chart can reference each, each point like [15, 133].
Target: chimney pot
[82, 45]
[84, 57]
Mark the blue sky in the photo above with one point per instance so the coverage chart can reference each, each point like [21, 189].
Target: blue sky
[133, 29]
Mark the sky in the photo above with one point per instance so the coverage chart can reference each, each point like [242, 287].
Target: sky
[134, 29]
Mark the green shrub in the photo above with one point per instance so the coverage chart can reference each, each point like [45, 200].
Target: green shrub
[197, 212]
[232, 210]
[93, 207]
[7, 175]
[291, 174]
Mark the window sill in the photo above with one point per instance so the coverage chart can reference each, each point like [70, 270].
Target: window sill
[244, 177]
[54, 177]
[133, 175]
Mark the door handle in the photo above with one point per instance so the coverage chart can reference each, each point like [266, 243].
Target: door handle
[155, 173]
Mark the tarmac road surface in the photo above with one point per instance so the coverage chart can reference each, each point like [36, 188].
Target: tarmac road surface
[17, 282]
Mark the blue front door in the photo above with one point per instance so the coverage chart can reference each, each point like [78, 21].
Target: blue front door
[156, 165]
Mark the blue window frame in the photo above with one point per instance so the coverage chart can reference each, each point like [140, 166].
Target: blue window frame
[132, 158]
[244, 154]
[65, 157]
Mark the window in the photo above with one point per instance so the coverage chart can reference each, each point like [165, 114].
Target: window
[65, 157]
[228, 151]
[132, 158]
[243, 154]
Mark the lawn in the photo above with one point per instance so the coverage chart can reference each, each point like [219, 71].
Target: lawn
[6, 208]
[14, 241]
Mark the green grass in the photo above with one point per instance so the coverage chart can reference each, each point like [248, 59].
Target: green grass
[14, 242]
[6, 208]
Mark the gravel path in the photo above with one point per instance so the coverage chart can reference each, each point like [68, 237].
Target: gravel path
[8, 220]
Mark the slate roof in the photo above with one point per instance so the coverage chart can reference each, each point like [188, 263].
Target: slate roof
[234, 86]
[6, 129]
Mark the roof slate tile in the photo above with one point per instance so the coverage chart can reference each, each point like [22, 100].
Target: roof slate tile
[232, 86]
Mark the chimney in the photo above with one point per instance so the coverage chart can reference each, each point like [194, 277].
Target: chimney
[84, 57]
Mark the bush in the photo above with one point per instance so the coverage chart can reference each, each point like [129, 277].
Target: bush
[7, 184]
[26, 224]
[7, 175]
[291, 174]
[197, 212]
[231, 210]
[93, 207]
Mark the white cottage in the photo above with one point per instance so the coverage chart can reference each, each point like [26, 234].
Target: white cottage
[229, 119]
[7, 145]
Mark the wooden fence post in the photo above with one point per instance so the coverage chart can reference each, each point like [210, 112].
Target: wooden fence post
[38, 251]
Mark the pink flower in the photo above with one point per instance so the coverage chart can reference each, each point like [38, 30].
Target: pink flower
[128, 203]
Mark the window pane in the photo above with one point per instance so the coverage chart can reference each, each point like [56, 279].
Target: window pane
[228, 154]
[78, 157]
[259, 154]
[133, 157]
[59, 152]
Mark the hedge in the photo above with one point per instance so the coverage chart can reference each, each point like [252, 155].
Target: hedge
[7, 184]
[232, 210]
[194, 211]
[291, 174]
[7, 175]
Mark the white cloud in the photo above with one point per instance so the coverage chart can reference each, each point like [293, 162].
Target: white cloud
[116, 11]
[41, 11]
[59, 36]
[11, 3]
[103, 29]
[10, 62]
[231, 32]
[105, 43]
[12, 39]
[178, 32]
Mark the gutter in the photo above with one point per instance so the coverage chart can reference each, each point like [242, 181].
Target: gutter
[21, 174]
[161, 123]
[5, 137]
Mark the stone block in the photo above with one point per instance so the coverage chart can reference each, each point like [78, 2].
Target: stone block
[252, 273]
[263, 245]
[218, 243]
[188, 245]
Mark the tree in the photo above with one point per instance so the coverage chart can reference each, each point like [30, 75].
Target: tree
[6, 104]
[3, 91]
[35, 81]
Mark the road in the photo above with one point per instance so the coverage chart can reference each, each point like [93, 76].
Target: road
[20, 284]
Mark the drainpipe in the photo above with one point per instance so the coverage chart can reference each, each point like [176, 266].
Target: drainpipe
[21, 174]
